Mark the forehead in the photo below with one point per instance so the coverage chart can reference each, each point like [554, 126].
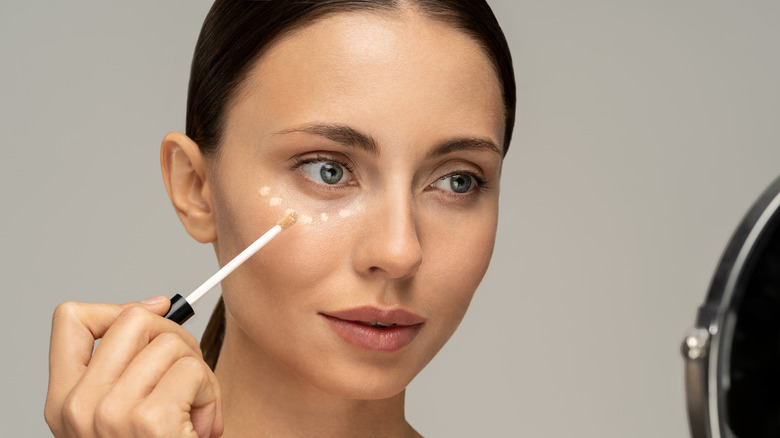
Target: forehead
[378, 72]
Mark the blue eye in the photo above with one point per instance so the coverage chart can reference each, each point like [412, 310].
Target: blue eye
[328, 172]
[457, 183]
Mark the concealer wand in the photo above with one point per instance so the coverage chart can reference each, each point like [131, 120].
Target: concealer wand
[181, 308]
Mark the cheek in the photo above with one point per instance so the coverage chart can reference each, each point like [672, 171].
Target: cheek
[294, 270]
[457, 260]
[464, 266]
[246, 213]
[460, 245]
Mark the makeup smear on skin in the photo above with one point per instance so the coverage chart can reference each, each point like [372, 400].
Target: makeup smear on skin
[275, 201]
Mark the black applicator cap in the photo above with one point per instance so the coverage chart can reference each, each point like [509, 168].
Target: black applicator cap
[180, 310]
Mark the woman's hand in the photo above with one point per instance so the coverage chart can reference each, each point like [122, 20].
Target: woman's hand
[146, 377]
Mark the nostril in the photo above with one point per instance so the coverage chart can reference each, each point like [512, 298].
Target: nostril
[373, 268]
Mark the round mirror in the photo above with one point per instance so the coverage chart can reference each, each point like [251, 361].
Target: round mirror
[732, 354]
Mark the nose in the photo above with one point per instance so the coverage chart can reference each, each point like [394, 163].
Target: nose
[389, 246]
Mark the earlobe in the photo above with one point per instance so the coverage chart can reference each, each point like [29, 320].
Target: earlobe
[185, 172]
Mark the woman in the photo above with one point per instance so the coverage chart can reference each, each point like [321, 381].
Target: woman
[384, 125]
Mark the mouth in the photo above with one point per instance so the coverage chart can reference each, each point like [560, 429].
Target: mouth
[378, 324]
[375, 316]
[376, 329]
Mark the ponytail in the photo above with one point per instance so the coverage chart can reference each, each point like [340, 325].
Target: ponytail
[211, 341]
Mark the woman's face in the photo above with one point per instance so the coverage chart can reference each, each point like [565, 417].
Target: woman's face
[384, 133]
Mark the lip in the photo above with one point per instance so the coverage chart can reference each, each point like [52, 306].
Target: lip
[349, 325]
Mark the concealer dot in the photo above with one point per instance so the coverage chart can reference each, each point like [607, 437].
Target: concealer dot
[303, 218]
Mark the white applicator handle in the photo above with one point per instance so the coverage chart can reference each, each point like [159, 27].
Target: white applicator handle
[233, 264]
[181, 310]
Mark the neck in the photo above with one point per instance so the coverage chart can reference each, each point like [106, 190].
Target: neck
[262, 396]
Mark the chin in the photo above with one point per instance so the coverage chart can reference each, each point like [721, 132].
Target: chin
[362, 376]
[351, 373]
[379, 387]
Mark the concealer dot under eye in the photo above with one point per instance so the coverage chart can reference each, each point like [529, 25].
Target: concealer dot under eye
[303, 217]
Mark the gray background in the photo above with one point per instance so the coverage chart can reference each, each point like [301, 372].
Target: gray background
[645, 129]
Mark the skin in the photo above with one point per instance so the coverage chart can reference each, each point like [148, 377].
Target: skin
[397, 237]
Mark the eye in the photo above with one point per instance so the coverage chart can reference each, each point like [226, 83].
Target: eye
[328, 172]
[457, 183]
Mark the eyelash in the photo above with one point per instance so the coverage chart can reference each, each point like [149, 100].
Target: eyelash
[300, 161]
[482, 183]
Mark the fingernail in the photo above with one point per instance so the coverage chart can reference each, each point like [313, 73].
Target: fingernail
[153, 300]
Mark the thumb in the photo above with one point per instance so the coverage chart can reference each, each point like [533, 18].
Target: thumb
[159, 304]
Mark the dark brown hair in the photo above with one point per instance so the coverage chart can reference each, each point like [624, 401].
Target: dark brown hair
[236, 33]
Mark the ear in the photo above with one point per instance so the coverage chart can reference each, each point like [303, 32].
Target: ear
[185, 172]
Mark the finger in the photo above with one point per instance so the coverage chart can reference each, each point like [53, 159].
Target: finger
[148, 367]
[75, 327]
[131, 332]
[139, 379]
[185, 402]
[158, 305]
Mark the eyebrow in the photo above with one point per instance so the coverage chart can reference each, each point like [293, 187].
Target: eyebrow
[465, 144]
[348, 136]
[340, 134]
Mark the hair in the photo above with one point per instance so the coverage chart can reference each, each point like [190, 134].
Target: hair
[236, 33]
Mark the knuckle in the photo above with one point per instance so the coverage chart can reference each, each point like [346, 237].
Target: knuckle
[169, 341]
[52, 415]
[194, 342]
[150, 418]
[189, 364]
[68, 309]
[76, 411]
[183, 344]
[136, 313]
[135, 318]
[177, 345]
[108, 417]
